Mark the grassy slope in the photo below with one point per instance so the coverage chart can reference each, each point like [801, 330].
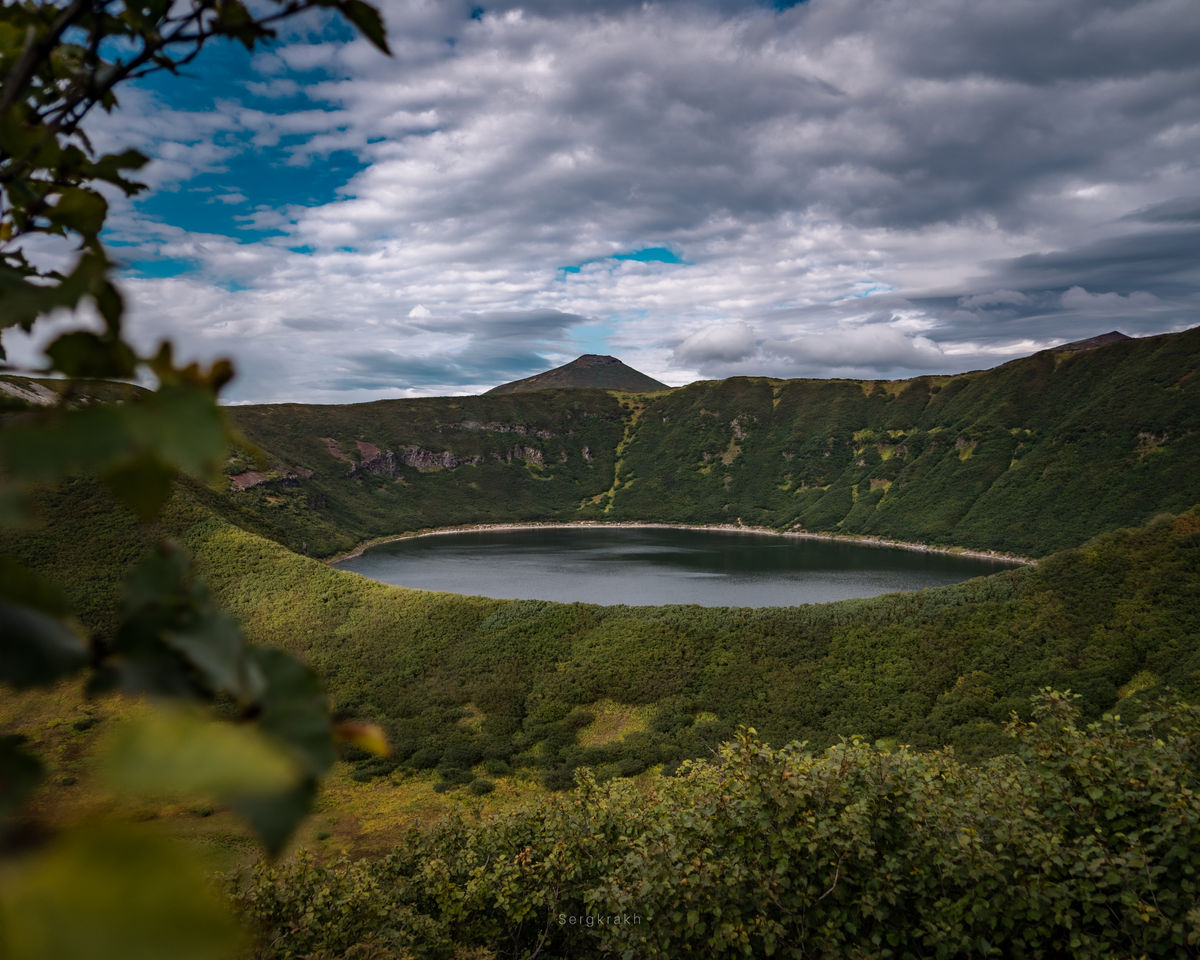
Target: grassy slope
[1031, 457]
[936, 667]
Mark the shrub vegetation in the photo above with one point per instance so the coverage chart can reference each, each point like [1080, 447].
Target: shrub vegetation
[1081, 844]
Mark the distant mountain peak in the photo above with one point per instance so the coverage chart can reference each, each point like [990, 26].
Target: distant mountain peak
[590, 370]
[1113, 336]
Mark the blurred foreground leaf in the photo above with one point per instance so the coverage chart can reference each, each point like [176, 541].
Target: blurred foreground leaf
[19, 774]
[113, 893]
[180, 752]
[38, 646]
[274, 816]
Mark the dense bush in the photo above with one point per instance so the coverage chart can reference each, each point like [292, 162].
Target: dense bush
[1082, 844]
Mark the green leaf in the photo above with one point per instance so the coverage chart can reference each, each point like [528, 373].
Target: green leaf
[131, 445]
[181, 753]
[40, 645]
[143, 484]
[112, 307]
[38, 649]
[274, 817]
[114, 893]
[109, 167]
[157, 577]
[85, 354]
[214, 645]
[183, 425]
[24, 301]
[159, 599]
[235, 21]
[369, 23]
[48, 445]
[294, 708]
[19, 774]
[21, 585]
[80, 210]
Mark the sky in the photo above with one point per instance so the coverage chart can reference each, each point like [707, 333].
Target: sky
[703, 188]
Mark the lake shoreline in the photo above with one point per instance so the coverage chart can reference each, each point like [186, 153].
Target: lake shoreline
[709, 527]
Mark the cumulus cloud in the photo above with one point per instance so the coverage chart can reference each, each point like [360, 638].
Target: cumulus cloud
[1078, 298]
[996, 298]
[722, 342]
[998, 176]
[883, 348]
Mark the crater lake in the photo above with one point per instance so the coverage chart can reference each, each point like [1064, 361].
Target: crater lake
[656, 566]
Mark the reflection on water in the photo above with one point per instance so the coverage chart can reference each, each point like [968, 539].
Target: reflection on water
[659, 566]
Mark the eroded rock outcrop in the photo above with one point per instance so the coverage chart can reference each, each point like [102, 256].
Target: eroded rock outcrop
[494, 427]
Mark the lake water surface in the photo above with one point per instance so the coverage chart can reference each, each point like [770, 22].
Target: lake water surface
[651, 566]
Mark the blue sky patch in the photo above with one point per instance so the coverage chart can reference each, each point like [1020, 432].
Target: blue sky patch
[642, 255]
[262, 178]
[869, 288]
[159, 269]
[251, 176]
[651, 255]
[222, 73]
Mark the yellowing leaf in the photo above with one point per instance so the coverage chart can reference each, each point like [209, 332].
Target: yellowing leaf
[365, 736]
[176, 752]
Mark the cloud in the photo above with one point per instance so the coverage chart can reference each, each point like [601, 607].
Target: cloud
[722, 342]
[1176, 210]
[998, 176]
[1079, 299]
[996, 298]
[882, 349]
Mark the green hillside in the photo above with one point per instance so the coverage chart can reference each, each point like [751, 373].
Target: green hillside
[394, 465]
[461, 680]
[1031, 457]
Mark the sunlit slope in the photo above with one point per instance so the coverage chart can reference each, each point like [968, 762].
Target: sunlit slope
[1030, 457]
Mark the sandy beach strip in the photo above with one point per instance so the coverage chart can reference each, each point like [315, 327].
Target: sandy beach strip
[711, 527]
